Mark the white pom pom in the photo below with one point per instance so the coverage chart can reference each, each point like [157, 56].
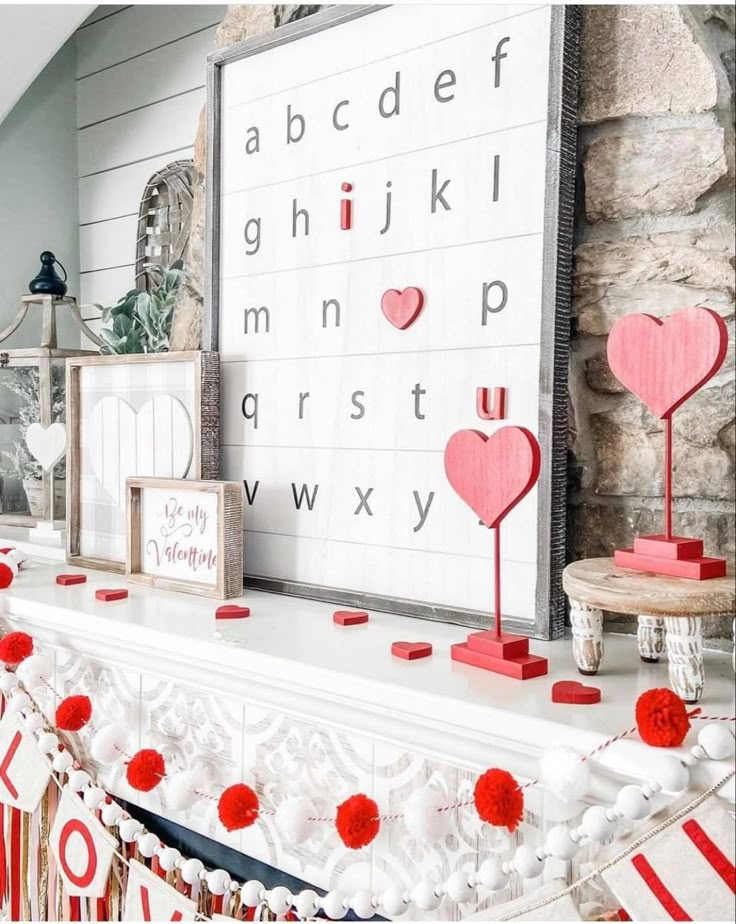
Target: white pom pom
[182, 789]
[110, 813]
[93, 796]
[458, 887]
[148, 844]
[422, 818]
[559, 844]
[393, 902]
[8, 681]
[596, 824]
[19, 701]
[34, 671]
[250, 894]
[218, 881]
[168, 859]
[47, 742]
[491, 875]
[109, 744]
[78, 780]
[632, 803]
[527, 863]
[292, 819]
[191, 869]
[362, 904]
[34, 722]
[333, 905]
[717, 741]
[564, 773]
[425, 897]
[62, 761]
[10, 561]
[306, 903]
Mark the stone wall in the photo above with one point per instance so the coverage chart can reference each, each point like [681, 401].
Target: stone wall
[654, 233]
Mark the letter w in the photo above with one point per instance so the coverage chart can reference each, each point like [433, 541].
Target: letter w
[145, 905]
[304, 495]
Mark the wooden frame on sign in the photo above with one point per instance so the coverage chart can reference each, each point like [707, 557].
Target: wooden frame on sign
[142, 377]
[228, 531]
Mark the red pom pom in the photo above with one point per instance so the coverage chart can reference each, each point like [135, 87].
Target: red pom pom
[6, 575]
[661, 717]
[498, 799]
[145, 770]
[238, 807]
[15, 647]
[357, 821]
[73, 713]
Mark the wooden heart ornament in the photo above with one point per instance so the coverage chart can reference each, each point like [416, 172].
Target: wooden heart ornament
[492, 473]
[47, 445]
[402, 308]
[664, 362]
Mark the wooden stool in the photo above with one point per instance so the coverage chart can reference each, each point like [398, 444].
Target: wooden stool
[670, 611]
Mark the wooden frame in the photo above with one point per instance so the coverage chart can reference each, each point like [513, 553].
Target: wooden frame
[205, 427]
[548, 619]
[229, 560]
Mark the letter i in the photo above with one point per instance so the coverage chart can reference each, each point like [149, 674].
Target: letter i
[346, 209]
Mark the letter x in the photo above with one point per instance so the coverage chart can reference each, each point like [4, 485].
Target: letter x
[363, 501]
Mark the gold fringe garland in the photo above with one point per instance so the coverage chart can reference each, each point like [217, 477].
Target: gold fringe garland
[43, 870]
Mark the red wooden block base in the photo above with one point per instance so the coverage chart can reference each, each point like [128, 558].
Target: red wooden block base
[503, 646]
[66, 579]
[108, 595]
[410, 651]
[520, 668]
[232, 611]
[697, 569]
[349, 617]
[572, 691]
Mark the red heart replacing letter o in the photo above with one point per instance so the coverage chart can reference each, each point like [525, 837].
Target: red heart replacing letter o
[402, 308]
[664, 362]
[492, 473]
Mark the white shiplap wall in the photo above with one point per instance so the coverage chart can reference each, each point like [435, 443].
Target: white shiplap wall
[140, 89]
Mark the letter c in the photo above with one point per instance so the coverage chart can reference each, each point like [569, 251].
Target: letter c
[338, 125]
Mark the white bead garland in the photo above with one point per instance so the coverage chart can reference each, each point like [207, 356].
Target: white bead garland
[111, 811]
[362, 904]
[93, 797]
[129, 829]
[62, 761]
[527, 863]
[8, 682]
[34, 722]
[47, 742]
[425, 896]
[717, 741]
[333, 905]
[306, 903]
[250, 894]
[393, 901]
[148, 844]
[218, 881]
[631, 803]
[191, 869]
[559, 844]
[78, 780]
[168, 859]
[19, 701]
[596, 823]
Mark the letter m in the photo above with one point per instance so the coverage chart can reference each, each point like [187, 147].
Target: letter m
[255, 313]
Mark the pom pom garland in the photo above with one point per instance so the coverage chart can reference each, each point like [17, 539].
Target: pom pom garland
[661, 717]
[145, 770]
[109, 743]
[73, 713]
[182, 790]
[34, 670]
[6, 575]
[357, 821]
[499, 800]
[423, 816]
[238, 807]
[15, 646]
[293, 819]
[565, 774]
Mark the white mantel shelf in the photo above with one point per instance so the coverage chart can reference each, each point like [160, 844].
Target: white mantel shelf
[290, 656]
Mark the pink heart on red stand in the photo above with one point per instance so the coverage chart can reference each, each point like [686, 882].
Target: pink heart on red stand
[402, 308]
[492, 473]
[664, 362]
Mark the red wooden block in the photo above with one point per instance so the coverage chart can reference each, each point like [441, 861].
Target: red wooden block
[107, 595]
[664, 362]
[696, 569]
[402, 308]
[492, 473]
[349, 618]
[507, 646]
[66, 579]
[522, 668]
[410, 651]
[572, 691]
[232, 611]
[676, 547]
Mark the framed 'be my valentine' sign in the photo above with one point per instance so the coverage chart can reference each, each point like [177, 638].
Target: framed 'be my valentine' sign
[389, 221]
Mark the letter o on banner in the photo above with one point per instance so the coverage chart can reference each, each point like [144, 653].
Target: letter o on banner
[83, 848]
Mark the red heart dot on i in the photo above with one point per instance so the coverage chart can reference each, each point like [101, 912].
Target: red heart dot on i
[411, 651]
[349, 618]
[232, 611]
[572, 691]
[402, 308]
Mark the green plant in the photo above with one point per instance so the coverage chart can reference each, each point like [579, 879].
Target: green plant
[141, 321]
[24, 382]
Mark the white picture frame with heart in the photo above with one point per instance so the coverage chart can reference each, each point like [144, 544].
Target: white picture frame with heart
[141, 415]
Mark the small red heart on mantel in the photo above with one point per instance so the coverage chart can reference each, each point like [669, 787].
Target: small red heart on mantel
[232, 611]
[492, 473]
[410, 651]
[402, 307]
[349, 617]
[572, 691]
[664, 362]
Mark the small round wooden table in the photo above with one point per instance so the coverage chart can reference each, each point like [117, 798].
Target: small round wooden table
[670, 610]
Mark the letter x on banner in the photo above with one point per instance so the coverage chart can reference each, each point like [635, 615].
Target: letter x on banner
[82, 847]
[149, 898]
[684, 873]
[24, 772]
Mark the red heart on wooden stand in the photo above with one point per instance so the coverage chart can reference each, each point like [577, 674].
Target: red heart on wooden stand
[492, 473]
[402, 308]
[664, 362]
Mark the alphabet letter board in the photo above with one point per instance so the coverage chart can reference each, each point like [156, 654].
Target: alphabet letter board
[369, 149]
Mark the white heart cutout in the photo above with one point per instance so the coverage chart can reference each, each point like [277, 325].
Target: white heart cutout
[157, 442]
[47, 445]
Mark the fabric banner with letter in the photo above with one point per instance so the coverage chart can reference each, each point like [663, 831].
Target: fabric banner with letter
[24, 771]
[149, 898]
[82, 846]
